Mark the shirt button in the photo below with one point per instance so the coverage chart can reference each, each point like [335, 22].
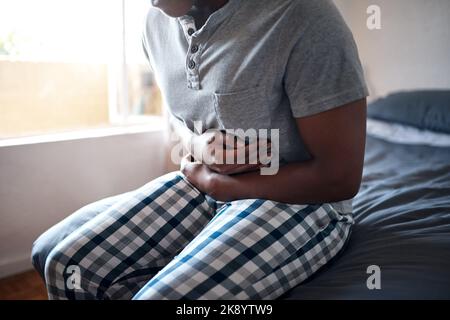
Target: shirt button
[191, 31]
[194, 48]
[191, 64]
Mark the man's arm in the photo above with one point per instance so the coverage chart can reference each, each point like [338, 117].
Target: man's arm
[336, 142]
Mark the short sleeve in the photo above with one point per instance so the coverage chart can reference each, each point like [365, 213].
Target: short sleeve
[323, 70]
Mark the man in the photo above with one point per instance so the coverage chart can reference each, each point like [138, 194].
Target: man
[221, 231]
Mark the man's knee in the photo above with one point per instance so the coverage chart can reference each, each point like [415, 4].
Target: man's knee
[42, 247]
[62, 271]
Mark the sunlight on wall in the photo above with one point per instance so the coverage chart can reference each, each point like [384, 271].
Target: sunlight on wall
[36, 97]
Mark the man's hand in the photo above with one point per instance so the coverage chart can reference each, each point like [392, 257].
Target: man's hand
[205, 180]
[197, 173]
[228, 154]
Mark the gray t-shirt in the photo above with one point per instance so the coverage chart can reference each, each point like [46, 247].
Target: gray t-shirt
[256, 64]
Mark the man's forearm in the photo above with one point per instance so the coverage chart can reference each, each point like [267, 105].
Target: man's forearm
[305, 182]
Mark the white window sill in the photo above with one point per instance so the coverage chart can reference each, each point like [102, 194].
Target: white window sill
[151, 124]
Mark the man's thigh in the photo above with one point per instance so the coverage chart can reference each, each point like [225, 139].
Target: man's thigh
[252, 249]
[56, 234]
[132, 238]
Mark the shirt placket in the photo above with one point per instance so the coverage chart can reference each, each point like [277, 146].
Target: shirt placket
[193, 53]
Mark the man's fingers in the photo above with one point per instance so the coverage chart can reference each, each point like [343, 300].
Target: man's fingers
[234, 168]
[226, 148]
[233, 142]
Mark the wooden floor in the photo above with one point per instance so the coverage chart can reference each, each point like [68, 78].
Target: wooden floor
[23, 286]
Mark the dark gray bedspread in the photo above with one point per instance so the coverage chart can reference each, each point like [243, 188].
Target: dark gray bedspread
[402, 225]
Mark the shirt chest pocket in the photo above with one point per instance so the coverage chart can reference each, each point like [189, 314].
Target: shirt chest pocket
[246, 109]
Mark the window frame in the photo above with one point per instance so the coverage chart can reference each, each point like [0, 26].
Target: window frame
[118, 104]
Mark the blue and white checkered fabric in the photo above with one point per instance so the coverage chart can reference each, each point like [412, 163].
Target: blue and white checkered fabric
[166, 240]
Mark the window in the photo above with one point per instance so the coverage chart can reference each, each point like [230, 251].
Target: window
[73, 64]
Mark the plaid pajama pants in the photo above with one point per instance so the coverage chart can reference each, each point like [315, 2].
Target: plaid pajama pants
[167, 240]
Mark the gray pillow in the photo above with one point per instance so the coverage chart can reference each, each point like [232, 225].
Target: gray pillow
[425, 110]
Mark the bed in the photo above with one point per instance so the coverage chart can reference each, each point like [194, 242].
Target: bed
[402, 212]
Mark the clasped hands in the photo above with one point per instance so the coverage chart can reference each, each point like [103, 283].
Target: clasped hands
[216, 155]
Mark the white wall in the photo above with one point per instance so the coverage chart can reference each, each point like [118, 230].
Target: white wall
[42, 183]
[412, 49]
